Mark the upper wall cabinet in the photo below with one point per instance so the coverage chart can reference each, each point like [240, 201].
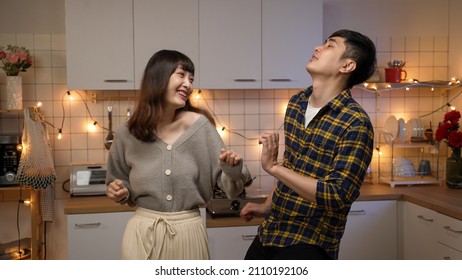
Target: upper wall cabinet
[161, 24]
[230, 43]
[109, 42]
[99, 44]
[257, 43]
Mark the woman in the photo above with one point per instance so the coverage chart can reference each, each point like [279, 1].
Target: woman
[166, 161]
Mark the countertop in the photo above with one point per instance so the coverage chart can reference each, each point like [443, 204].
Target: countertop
[439, 198]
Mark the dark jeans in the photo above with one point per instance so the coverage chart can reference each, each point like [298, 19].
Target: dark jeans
[257, 251]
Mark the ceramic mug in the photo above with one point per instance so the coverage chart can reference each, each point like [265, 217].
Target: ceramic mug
[424, 167]
[395, 75]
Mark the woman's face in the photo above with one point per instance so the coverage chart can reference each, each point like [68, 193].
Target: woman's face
[180, 87]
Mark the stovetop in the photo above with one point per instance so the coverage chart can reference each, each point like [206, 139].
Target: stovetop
[223, 207]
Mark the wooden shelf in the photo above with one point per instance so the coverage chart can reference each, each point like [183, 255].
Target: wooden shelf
[11, 194]
[11, 111]
[381, 86]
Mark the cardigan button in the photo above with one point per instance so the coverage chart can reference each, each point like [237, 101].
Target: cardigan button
[168, 172]
[169, 197]
[169, 147]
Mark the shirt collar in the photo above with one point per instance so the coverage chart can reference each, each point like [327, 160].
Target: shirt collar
[336, 103]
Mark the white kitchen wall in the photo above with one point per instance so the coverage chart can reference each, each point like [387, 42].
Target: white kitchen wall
[422, 39]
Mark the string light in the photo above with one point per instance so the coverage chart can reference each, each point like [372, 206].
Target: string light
[26, 202]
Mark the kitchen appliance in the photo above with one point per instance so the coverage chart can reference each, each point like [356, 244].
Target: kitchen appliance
[88, 179]
[10, 150]
[221, 206]
[224, 207]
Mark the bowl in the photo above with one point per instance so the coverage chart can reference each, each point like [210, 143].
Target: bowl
[403, 167]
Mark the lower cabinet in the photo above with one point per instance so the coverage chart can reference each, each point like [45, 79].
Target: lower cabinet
[449, 237]
[371, 231]
[96, 236]
[429, 235]
[230, 243]
[419, 232]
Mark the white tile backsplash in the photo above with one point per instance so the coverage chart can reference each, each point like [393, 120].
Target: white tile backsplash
[245, 114]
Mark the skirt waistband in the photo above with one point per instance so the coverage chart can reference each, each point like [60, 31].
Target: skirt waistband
[170, 216]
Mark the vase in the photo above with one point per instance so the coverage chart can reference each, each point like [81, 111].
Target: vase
[14, 92]
[454, 169]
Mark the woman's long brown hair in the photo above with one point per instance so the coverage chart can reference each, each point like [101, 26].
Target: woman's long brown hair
[151, 98]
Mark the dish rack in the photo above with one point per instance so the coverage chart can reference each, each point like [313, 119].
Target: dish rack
[389, 149]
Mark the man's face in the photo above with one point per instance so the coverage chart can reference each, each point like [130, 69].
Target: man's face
[327, 58]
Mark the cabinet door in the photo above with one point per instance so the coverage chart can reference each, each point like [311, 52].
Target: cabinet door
[449, 231]
[290, 32]
[96, 236]
[419, 232]
[230, 243]
[99, 43]
[448, 253]
[371, 231]
[230, 44]
[160, 24]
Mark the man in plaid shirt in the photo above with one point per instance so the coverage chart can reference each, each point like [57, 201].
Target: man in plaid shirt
[328, 148]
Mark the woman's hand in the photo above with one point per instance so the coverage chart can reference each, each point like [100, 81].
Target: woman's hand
[117, 191]
[229, 157]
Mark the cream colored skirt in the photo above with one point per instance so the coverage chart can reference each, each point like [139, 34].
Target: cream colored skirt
[152, 235]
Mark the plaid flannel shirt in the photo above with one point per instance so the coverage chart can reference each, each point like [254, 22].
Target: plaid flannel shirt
[336, 149]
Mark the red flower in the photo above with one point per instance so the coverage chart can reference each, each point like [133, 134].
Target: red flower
[449, 130]
[455, 139]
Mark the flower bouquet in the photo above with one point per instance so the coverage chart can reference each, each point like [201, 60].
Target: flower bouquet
[15, 59]
[448, 131]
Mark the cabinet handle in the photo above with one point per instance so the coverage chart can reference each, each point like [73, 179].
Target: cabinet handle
[244, 80]
[358, 212]
[87, 225]
[115, 81]
[248, 236]
[280, 80]
[424, 219]
[452, 230]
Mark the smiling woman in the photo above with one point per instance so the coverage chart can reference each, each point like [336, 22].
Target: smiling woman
[167, 161]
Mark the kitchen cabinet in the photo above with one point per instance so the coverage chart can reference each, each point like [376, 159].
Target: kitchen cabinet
[99, 44]
[371, 231]
[96, 236]
[230, 243]
[429, 235]
[257, 43]
[109, 42]
[160, 24]
[449, 236]
[419, 232]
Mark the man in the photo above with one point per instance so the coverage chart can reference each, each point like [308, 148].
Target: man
[328, 148]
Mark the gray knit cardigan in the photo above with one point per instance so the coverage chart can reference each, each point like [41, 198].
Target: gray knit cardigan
[172, 178]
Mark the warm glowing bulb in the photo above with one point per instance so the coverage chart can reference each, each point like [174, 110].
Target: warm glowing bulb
[91, 127]
[39, 104]
[452, 108]
[60, 134]
[366, 84]
[407, 88]
[197, 96]
[25, 202]
[221, 131]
